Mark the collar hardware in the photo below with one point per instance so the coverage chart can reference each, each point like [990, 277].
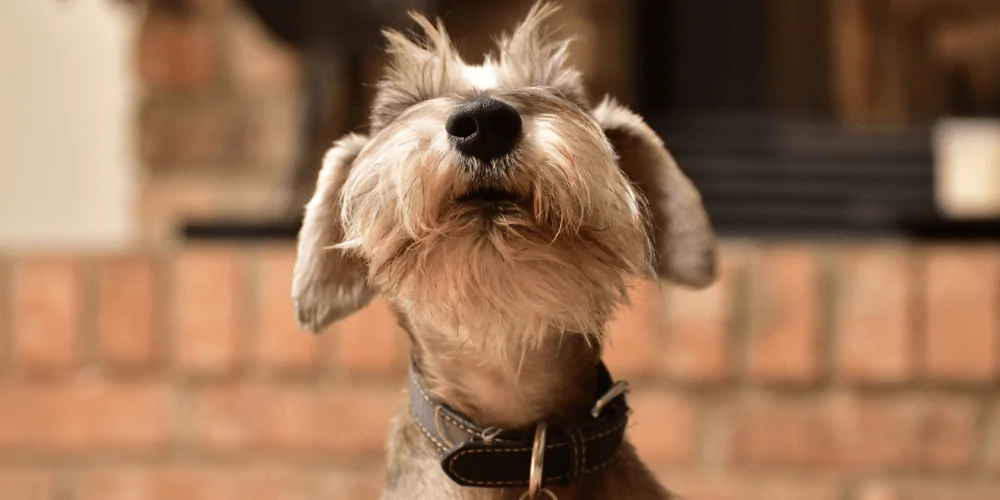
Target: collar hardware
[537, 461]
[550, 454]
[619, 388]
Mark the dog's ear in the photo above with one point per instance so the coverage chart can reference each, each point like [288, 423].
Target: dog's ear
[329, 283]
[682, 234]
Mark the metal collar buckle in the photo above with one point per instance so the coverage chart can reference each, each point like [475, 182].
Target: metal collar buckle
[617, 389]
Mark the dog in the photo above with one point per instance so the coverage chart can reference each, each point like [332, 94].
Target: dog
[502, 217]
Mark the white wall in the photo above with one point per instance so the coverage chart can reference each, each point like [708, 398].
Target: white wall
[66, 110]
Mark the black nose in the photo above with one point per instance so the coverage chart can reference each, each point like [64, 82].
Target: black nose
[485, 128]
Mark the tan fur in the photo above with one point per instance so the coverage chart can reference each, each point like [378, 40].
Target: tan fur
[532, 56]
[683, 236]
[429, 66]
[329, 283]
[505, 307]
[500, 282]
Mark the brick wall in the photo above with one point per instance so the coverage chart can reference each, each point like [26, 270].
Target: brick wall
[219, 120]
[854, 372]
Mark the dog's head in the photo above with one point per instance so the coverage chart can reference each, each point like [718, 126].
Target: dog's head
[494, 197]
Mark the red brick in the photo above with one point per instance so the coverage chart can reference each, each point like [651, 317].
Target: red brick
[6, 336]
[733, 486]
[876, 490]
[937, 434]
[850, 432]
[120, 483]
[871, 433]
[634, 335]
[294, 419]
[875, 339]
[47, 310]
[929, 489]
[24, 484]
[963, 330]
[207, 304]
[271, 132]
[156, 484]
[664, 426]
[992, 441]
[189, 483]
[351, 484]
[370, 341]
[260, 63]
[280, 343]
[162, 203]
[127, 311]
[270, 483]
[784, 344]
[189, 135]
[355, 423]
[177, 52]
[773, 431]
[698, 341]
[948, 433]
[84, 417]
[272, 418]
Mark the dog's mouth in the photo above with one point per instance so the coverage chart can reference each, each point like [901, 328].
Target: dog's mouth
[489, 196]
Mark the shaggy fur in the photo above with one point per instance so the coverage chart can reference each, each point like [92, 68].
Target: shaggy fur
[500, 279]
[505, 305]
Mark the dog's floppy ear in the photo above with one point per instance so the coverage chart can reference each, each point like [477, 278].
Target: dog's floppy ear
[329, 283]
[682, 234]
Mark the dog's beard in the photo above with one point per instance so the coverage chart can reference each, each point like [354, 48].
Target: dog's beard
[552, 251]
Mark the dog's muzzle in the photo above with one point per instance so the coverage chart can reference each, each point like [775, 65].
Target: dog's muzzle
[486, 457]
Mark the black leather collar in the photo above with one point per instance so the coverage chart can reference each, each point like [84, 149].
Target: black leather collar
[473, 455]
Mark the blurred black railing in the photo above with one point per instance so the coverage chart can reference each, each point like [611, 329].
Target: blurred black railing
[762, 175]
[770, 177]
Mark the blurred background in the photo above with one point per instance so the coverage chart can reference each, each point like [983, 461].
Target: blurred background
[155, 156]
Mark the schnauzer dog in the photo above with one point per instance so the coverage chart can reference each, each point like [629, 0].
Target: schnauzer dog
[502, 217]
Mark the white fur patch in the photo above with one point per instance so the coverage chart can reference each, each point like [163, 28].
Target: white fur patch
[481, 77]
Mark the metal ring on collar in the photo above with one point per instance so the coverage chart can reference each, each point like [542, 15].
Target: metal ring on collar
[552, 496]
[537, 462]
